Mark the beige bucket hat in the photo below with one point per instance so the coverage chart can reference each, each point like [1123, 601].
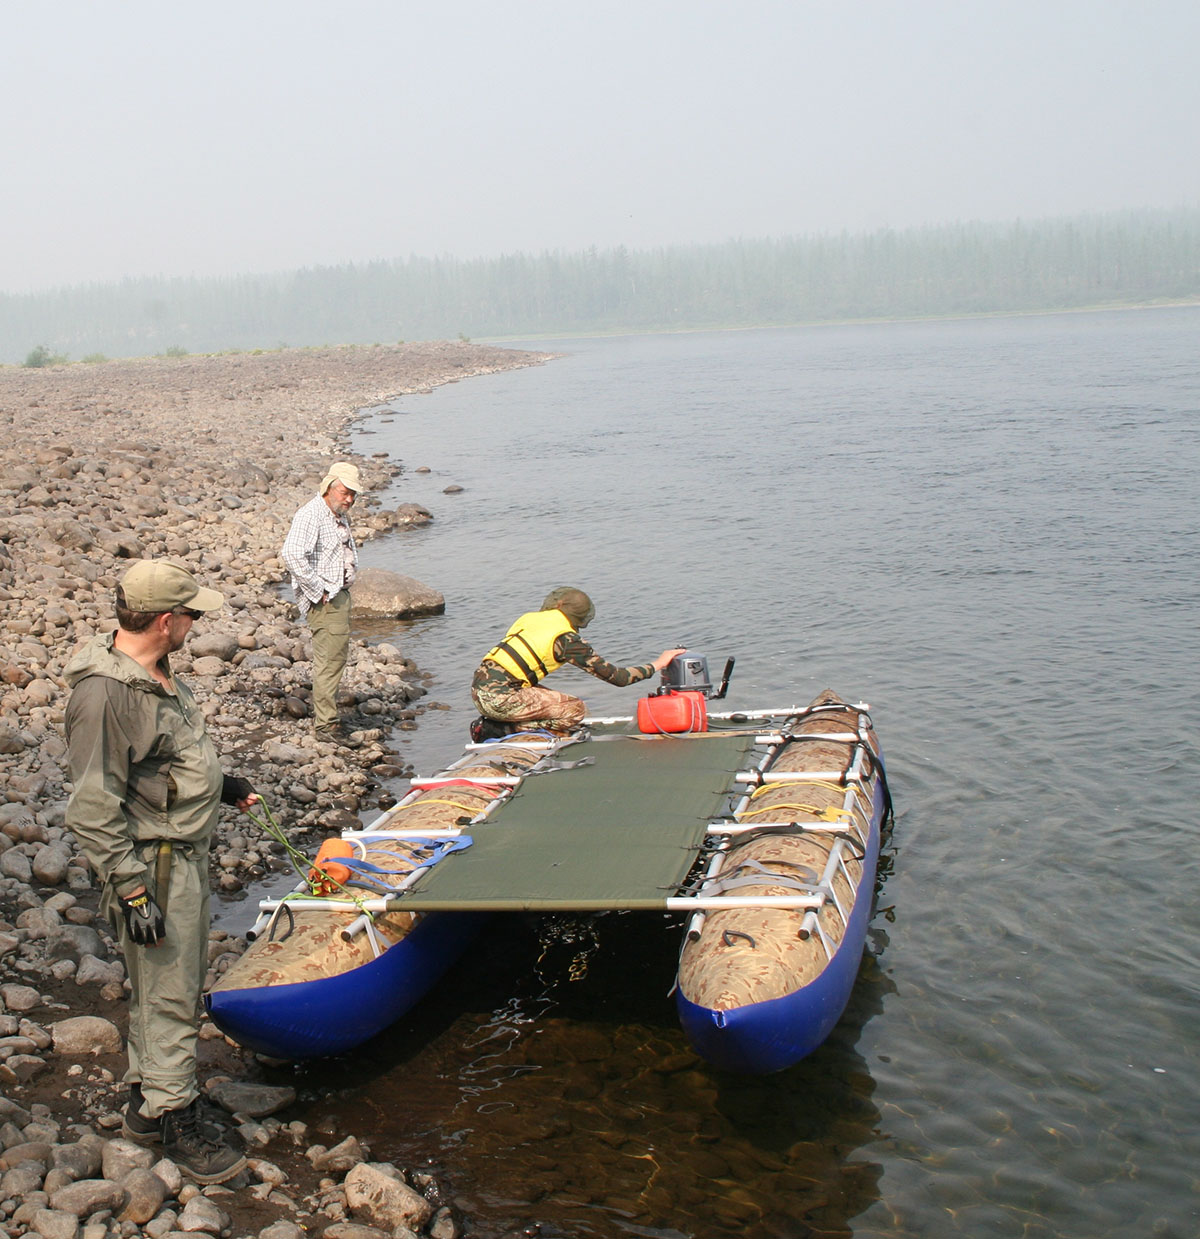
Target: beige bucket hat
[345, 473]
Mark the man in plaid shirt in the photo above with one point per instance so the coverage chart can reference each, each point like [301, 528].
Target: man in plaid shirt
[320, 554]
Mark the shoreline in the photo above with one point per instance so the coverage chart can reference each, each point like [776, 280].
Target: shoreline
[886, 321]
[204, 459]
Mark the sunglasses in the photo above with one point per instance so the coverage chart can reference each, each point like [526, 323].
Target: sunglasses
[192, 615]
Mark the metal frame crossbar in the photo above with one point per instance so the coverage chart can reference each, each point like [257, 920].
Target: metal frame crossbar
[367, 908]
[444, 780]
[784, 712]
[853, 830]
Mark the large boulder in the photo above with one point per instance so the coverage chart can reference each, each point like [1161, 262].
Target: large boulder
[379, 592]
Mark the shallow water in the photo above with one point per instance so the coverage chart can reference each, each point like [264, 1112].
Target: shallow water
[989, 530]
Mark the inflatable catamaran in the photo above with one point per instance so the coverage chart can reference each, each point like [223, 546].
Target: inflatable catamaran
[761, 828]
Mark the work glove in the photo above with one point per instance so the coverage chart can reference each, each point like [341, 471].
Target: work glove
[143, 918]
[234, 789]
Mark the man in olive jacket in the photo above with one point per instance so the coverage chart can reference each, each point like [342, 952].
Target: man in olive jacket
[147, 789]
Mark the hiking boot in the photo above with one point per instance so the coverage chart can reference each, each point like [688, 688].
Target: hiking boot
[197, 1147]
[333, 734]
[135, 1125]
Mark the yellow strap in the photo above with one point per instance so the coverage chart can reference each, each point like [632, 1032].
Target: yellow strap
[454, 804]
[779, 786]
[831, 813]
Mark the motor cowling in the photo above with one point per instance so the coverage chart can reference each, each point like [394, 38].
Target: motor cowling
[686, 673]
[678, 704]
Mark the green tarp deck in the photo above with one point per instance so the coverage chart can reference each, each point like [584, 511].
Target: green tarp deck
[621, 832]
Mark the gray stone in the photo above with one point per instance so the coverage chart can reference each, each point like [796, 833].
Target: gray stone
[413, 514]
[353, 1230]
[340, 1158]
[73, 942]
[146, 1195]
[54, 1224]
[209, 666]
[382, 1200]
[25, 1176]
[14, 864]
[379, 592]
[284, 1229]
[93, 971]
[200, 1214]
[20, 997]
[121, 1156]
[88, 1196]
[253, 1100]
[21, 1068]
[83, 1159]
[213, 644]
[50, 864]
[85, 1034]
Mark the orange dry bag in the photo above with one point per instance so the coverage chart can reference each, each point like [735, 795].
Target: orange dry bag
[327, 877]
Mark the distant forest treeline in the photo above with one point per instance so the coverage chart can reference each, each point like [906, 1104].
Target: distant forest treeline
[1134, 257]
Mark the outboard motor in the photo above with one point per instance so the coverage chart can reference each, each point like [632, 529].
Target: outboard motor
[678, 703]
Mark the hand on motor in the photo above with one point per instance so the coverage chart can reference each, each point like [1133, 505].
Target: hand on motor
[665, 657]
[143, 918]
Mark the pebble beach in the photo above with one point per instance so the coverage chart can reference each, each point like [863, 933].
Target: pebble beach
[203, 459]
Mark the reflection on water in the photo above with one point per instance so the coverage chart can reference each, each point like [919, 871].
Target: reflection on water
[579, 1107]
[991, 531]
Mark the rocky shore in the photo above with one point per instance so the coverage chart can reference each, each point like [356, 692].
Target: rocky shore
[203, 459]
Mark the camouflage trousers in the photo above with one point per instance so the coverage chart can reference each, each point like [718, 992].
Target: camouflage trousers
[496, 696]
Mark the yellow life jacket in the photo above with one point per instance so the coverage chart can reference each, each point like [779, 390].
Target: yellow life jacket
[527, 651]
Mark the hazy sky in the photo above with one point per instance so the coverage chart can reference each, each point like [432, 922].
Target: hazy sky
[184, 138]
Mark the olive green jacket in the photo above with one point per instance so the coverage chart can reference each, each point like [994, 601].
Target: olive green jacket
[141, 762]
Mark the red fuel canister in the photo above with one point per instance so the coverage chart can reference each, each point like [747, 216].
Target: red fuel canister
[672, 713]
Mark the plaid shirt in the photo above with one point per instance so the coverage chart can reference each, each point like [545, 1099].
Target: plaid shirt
[319, 552]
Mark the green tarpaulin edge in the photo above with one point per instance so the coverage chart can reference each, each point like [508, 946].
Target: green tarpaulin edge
[618, 833]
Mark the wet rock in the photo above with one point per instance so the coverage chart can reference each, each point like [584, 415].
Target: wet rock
[253, 1100]
[342, 1157]
[376, 1196]
[413, 514]
[354, 1230]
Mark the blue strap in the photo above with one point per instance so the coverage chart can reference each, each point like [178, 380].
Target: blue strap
[438, 848]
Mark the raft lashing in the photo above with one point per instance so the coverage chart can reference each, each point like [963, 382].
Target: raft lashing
[763, 831]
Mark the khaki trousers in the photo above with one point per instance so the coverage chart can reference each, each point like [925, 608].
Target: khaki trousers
[166, 980]
[330, 625]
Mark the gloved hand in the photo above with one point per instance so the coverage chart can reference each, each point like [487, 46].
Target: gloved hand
[143, 918]
[235, 790]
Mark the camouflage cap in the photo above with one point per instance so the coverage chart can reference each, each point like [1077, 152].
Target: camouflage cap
[573, 603]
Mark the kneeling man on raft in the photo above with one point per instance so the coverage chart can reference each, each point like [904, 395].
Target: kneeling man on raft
[507, 688]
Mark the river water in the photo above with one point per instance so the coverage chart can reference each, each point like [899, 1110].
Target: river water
[989, 530]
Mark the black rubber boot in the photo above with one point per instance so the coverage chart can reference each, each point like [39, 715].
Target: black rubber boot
[134, 1124]
[488, 729]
